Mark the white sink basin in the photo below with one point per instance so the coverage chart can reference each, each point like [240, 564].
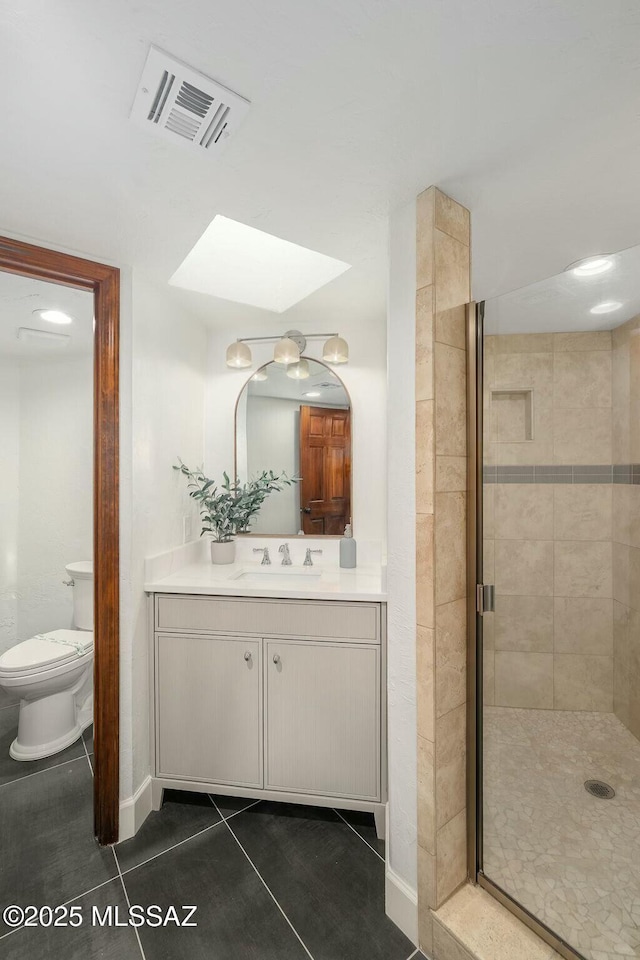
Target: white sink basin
[282, 574]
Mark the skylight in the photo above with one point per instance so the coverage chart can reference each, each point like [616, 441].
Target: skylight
[240, 263]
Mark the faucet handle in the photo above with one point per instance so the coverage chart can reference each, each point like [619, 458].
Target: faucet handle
[266, 559]
[308, 562]
[284, 549]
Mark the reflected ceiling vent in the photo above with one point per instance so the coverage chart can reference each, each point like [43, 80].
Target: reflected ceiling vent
[185, 106]
[328, 385]
[43, 337]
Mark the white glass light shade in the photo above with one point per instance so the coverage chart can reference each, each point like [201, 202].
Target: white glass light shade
[260, 375]
[238, 355]
[336, 350]
[299, 370]
[286, 351]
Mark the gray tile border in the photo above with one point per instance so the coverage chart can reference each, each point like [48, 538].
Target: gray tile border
[628, 473]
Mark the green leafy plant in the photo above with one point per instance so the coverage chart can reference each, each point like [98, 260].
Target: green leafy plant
[229, 508]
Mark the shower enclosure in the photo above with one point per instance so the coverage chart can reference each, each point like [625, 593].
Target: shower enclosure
[555, 763]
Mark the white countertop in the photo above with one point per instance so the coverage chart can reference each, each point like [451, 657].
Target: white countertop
[247, 579]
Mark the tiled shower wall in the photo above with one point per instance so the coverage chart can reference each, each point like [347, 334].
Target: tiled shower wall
[626, 525]
[548, 520]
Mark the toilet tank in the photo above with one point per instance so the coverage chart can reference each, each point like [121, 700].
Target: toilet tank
[81, 572]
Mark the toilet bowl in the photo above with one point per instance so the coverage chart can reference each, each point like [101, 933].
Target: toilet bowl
[52, 673]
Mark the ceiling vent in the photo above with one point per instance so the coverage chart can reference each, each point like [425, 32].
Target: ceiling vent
[185, 106]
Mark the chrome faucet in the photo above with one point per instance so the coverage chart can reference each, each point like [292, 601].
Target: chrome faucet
[284, 549]
[266, 559]
[308, 562]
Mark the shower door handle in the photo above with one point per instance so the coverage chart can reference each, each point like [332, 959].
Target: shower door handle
[485, 598]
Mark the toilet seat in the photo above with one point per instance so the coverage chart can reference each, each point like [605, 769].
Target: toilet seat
[52, 649]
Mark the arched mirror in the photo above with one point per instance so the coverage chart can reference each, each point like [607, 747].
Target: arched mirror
[300, 426]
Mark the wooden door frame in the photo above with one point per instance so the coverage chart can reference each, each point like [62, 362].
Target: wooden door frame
[104, 282]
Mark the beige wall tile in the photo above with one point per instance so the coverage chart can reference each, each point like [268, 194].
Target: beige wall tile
[583, 568]
[425, 681]
[488, 631]
[634, 578]
[582, 435]
[532, 371]
[523, 511]
[583, 625]
[626, 514]
[425, 217]
[424, 344]
[524, 624]
[583, 511]
[489, 677]
[582, 683]
[582, 379]
[522, 343]
[524, 568]
[425, 600]
[489, 561]
[595, 340]
[452, 218]
[524, 680]
[620, 564]
[452, 271]
[425, 457]
[511, 419]
[451, 742]
[634, 648]
[451, 656]
[451, 401]
[426, 795]
[426, 899]
[451, 327]
[451, 474]
[634, 432]
[451, 856]
[488, 510]
[445, 946]
[451, 547]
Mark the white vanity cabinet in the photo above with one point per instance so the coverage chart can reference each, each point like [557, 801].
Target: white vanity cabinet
[273, 699]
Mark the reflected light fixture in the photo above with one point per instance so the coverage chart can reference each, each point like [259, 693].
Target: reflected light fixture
[239, 355]
[608, 306]
[311, 393]
[288, 349]
[335, 350]
[590, 266]
[260, 375]
[53, 316]
[299, 370]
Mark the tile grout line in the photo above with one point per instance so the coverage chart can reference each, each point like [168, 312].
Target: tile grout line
[351, 827]
[38, 772]
[86, 753]
[262, 880]
[192, 837]
[414, 954]
[126, 895]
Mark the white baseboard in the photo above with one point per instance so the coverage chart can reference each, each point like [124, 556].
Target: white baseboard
[135, 810]
[401, 904]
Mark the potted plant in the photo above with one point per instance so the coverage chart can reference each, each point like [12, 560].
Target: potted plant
[229, 508]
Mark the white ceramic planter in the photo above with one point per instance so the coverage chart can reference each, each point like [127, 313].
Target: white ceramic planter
[223, 552]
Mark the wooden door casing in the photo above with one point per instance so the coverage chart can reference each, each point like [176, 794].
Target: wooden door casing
[325, 467]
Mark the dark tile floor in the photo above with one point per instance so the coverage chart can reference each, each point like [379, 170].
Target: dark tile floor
[270, 881]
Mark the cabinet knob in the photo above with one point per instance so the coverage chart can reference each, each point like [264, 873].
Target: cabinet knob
[276, 658]
[247, 655]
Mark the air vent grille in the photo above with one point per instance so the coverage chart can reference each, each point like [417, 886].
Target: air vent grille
[185, 106]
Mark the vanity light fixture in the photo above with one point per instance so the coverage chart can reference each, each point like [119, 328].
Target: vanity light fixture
[53, 316]
[288, 349]
[299, 370]
[590, 266]
[260, 375]
[608, 306]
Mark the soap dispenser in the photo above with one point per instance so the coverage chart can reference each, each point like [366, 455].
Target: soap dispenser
[347, 548]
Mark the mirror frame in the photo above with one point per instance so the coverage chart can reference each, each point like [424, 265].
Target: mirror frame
[292, 536]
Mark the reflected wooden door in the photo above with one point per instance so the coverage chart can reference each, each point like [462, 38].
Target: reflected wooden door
[325, 466]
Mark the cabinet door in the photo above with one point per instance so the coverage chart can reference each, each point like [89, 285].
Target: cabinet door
[209, 709]
[323, 718]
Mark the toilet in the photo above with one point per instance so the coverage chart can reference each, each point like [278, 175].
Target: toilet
[52, 673]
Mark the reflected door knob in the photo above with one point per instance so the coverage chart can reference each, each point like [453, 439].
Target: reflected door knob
[306, 509]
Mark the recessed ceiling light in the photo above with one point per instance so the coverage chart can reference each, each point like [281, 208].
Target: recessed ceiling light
[312, 393]
[590, 266]
[54, 316]
[607, 307]
[237, 262]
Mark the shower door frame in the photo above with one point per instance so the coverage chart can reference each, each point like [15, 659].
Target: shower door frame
[103, 282]
[475, 674]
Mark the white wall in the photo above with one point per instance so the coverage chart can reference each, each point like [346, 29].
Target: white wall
[272, 432]
[168, 351]
[365, 379]
[401, 572]
[9, 482]
[56, 487]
